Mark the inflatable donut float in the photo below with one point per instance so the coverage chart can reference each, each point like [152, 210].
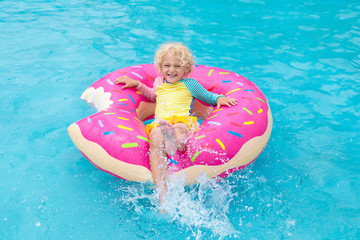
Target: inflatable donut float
[115, 140]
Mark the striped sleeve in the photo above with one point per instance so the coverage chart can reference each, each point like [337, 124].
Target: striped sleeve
[198, 91]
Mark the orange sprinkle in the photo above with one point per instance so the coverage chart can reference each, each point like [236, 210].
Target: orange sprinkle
[236, 124]
[210, 130]
[212, 88]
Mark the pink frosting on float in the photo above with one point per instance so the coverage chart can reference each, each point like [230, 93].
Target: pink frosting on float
[120, 132]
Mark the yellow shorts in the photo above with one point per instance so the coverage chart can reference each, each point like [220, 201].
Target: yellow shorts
[190, 121]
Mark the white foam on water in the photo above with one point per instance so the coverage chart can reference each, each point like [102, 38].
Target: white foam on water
[199, 207]
[202, 205]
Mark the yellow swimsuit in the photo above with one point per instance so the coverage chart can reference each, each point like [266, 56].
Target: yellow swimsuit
[174, 101]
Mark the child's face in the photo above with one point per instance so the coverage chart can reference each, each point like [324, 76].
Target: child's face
[171, 68]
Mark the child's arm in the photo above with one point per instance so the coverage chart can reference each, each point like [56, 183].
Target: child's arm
[149, 93]
[199, 92]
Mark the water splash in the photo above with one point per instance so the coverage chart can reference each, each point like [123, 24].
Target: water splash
[201, 207]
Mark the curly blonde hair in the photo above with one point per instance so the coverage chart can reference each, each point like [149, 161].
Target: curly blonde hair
[186, 58]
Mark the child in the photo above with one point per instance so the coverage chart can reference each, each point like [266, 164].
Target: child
[174, 94]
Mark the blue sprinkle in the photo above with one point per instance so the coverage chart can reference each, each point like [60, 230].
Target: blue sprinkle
[249, 90]
[214, 123]
[100, 123]
[226, 81]
[235, 134]
[132, 110]
[174, 161]
[124, 104]
[132, 99]
[109, 82]
[110, 132]
[195, 65]
[89, 119]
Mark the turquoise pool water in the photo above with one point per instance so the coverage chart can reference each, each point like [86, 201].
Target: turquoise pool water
[304, 55]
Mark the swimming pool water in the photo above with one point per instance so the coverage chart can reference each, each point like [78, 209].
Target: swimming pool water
[304, 55]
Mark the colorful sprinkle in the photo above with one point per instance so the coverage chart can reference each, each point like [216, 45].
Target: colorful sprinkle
[226, 81]
[235, 134]
[195, 156]
[109, 113]
[132, 110]
[240, 83]
[219, 109]
[215, 123]
[122, 104]
[212, 116]
[234, 90]
[129, 145]
[138, 119]
[246, 98]
[220, 143]
[249, 123]
[207, 146]
[110, 132]
[138, 75]
[142, 138]
[261, 100]
[122, 100]
[210, 130]
[132, 99]
[198, 137]
[126, 119]
[212, 88]
[210, 72]
[234, 113]
[126, 128]
[260, 111]
[235, 124]
[100, 123]
[109, 82]
[249, 90]
[89, 119]
[224, 73]
[247, 110]
[173, 161]
[124, 111]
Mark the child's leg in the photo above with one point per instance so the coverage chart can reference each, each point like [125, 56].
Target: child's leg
[169, 134]
[158, 160]
[182, 134]
[175, 136]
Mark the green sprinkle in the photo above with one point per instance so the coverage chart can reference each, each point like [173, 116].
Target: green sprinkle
[129, 145]
[198, 137]
[195, 156]
[247, 110]
[210, 72]
[261, 100]
[142, 138]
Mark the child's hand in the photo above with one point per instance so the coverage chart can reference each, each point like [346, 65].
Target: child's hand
[129, 82]
[226, 101]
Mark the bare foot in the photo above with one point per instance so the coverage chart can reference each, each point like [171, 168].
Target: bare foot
[170, 137]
